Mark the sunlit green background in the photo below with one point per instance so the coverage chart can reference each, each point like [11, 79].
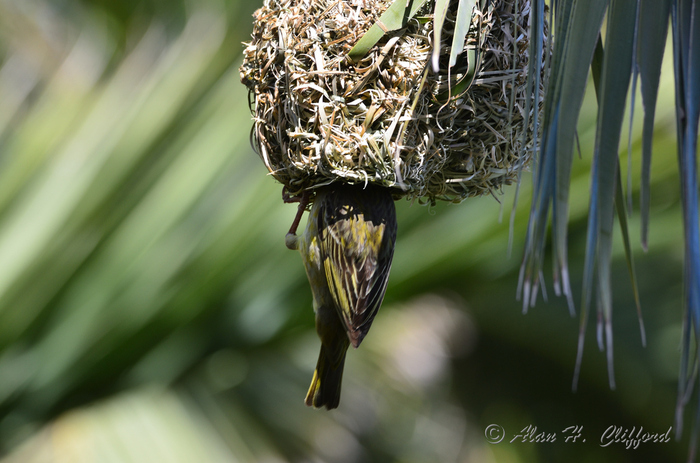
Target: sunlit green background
[150, 312]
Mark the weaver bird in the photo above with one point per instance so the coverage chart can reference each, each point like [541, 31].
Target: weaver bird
[347, 248]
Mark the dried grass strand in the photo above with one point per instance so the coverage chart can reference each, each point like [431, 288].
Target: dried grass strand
[320, 118]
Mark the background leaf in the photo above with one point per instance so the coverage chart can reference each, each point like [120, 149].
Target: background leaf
[159, 317]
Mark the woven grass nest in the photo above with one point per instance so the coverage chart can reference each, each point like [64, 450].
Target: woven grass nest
[388, 118]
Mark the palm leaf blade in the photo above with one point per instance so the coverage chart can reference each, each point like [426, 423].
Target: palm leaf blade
[464, 20]
[615, 78]
[394, 18]
[579, 24]
[653, 26]
[686, 40]
[440, 12]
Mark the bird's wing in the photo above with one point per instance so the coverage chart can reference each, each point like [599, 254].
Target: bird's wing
[357, 247]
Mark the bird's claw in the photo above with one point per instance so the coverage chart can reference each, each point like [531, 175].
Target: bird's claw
[291, 241]
[288, 198]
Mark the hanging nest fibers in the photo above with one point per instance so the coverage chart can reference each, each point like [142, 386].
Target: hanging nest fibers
[324, 112]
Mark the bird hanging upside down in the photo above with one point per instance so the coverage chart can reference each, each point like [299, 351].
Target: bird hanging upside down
[347, 249]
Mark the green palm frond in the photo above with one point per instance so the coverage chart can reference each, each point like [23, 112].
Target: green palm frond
[635, 35]
[395, 17]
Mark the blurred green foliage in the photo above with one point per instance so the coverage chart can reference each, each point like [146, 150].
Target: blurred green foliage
[149, 310]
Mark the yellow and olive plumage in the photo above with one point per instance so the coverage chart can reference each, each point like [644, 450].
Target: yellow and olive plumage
[347, 249]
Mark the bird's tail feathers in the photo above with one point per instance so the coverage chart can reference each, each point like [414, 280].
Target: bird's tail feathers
[325, 385]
